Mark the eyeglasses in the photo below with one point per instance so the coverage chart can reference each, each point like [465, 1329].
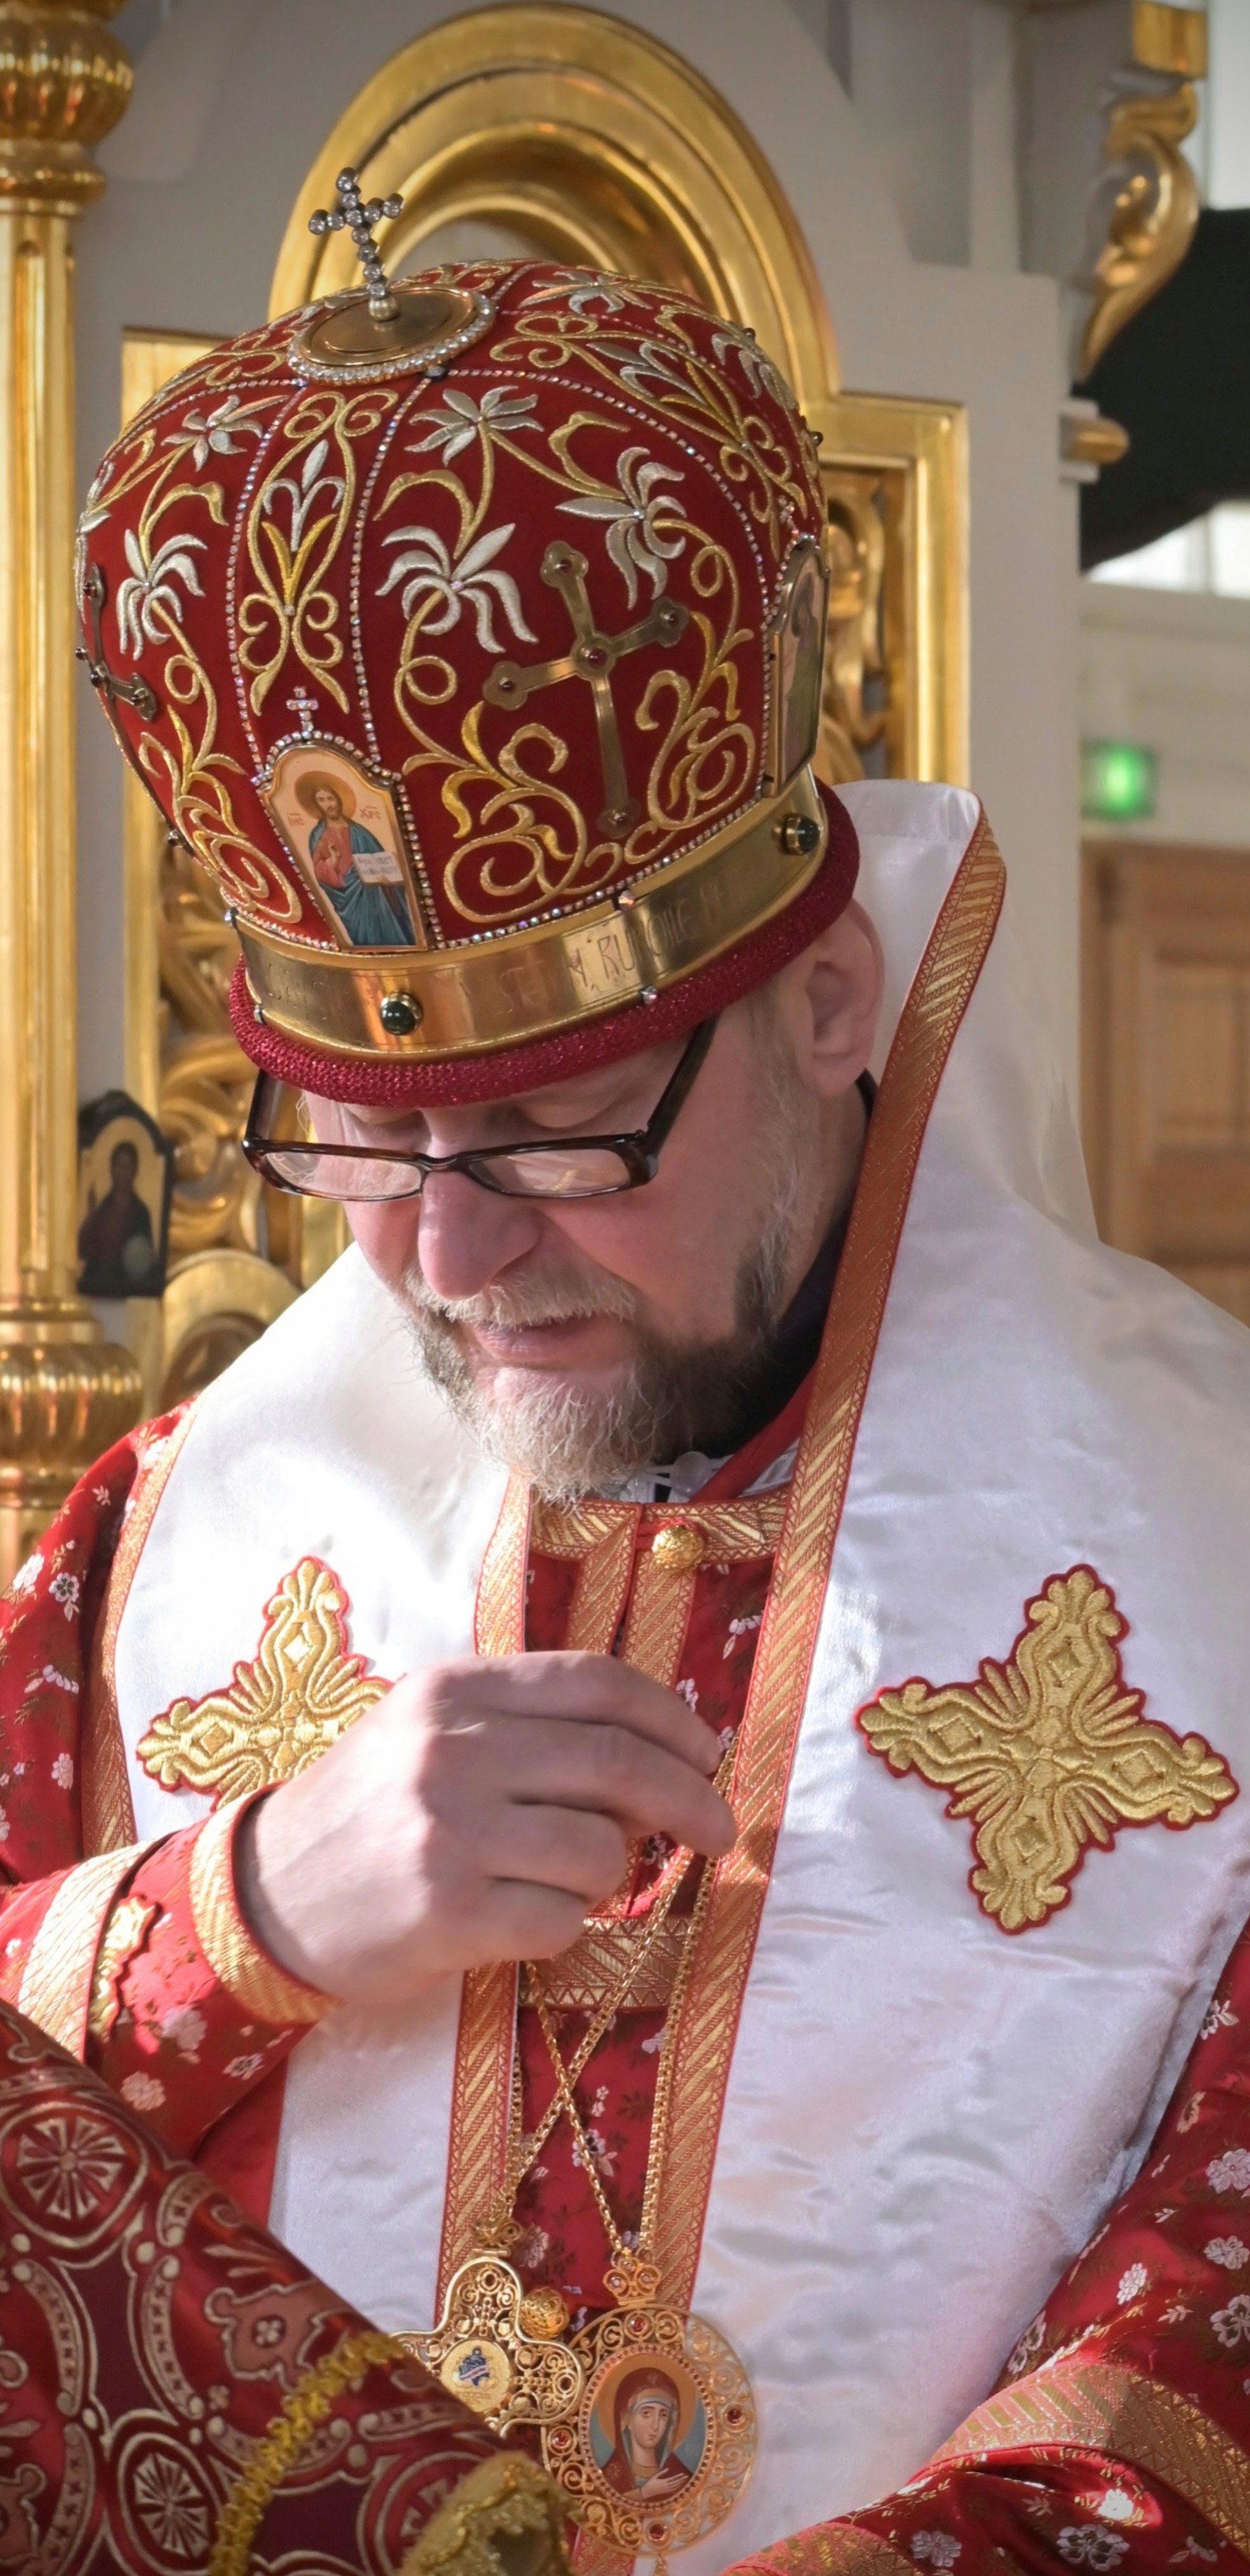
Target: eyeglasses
[561, 1167]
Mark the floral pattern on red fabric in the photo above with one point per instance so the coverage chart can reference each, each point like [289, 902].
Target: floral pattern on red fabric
[180, 2048]
[1119, 2436]
[148, 2336]
[174, 2042]
[47, 1620]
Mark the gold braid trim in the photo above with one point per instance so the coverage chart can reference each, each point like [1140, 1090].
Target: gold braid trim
[108, 1816]
[836, 2549]
[122, 1935]
[56, 1982]
[1101, 2406]
[502, 2500]
[287, 2438]
[236, 1958]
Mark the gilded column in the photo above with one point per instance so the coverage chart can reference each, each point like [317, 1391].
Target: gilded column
[64, 1393]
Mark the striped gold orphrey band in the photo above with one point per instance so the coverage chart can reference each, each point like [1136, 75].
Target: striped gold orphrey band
[484, 992]
[1101, 2406]
[55, 1988]
[703, 2041]
[840, 2549]
[107, 1809]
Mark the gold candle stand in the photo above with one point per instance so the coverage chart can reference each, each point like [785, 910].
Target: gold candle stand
[65, 1394]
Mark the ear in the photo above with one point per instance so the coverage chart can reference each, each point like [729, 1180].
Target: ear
[834, 1001]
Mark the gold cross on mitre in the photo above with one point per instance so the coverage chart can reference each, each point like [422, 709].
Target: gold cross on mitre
[421, 325]
[1048, 1753]
[593, 659]
[136, 693]
[352, 215]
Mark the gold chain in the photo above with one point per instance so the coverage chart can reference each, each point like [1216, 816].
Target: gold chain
[627, 2266]
[630, 2274]
[524, 2149]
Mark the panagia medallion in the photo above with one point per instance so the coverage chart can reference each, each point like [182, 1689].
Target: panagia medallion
[646, 2413]
[496, 2347]
[662, 2442]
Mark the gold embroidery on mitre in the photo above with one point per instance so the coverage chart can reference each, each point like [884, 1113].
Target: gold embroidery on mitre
[301, 1692]
[1048, 1753]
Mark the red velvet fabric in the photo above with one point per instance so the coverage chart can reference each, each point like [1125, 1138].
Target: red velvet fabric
[133, 2386]
[358, 561]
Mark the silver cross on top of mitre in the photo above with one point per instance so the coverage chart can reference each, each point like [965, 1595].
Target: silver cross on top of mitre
[352, 215]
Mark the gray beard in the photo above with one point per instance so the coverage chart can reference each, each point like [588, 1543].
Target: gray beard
[569, 1440]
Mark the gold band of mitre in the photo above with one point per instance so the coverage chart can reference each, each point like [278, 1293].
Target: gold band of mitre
[502, 990]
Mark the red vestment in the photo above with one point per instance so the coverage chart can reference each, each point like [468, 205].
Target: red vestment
[1133, 2434]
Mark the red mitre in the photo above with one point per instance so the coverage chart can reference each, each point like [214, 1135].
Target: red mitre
[470, 634]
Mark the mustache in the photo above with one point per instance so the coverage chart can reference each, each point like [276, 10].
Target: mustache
[549, 1293]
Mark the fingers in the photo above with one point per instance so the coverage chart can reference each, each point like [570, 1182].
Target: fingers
[606, 1770]
[553, 1848]
[587, 1688]
[526, 1922]
[573, 1731]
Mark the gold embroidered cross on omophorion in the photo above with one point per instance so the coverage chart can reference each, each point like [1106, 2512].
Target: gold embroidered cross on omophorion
[301, 1691]
[1050, 1753]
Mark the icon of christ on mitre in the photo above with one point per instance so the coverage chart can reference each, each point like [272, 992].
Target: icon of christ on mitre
[650, 1782]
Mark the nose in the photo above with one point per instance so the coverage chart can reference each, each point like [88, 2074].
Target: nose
[467, 1235]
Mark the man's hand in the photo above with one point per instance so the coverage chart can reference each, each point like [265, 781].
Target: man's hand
[476, 1813]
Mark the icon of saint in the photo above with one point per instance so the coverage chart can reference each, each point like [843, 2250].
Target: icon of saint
[642, 2463]
[115, 1242]
[368, 898]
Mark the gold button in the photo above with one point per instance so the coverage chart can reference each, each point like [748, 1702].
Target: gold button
[678, 1549]
[543, 2314]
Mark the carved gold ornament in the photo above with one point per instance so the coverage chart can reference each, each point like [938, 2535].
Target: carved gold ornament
[302, 1691]
[1154, 211]
[1048, 1753]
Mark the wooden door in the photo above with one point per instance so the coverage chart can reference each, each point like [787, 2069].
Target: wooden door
[1166, 1058]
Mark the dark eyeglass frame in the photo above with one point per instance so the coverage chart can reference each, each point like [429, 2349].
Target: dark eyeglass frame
[639, 1150]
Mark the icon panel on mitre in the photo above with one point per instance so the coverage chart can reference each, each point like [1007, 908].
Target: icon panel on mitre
[344, 827]
[796, 631]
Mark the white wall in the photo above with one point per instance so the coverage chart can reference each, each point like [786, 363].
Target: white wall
[233, 99]
[1172, 669]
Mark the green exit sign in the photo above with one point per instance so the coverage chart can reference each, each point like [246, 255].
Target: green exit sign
[1119, 782]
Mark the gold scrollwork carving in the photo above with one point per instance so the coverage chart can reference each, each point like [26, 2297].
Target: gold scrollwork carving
[205, 1079]
[1154, 210]
[239, 1253]
[857, 692]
